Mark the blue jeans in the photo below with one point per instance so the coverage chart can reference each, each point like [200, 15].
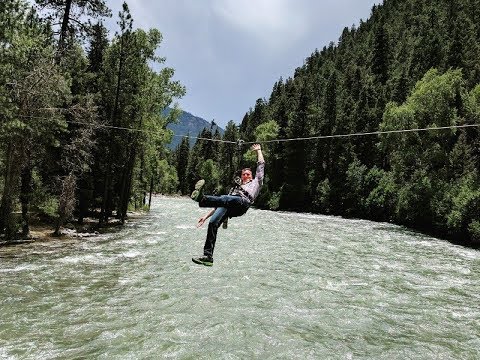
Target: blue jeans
[226, 206]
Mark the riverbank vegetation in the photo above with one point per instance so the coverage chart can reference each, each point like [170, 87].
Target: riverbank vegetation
[412, 64]
[67, 90]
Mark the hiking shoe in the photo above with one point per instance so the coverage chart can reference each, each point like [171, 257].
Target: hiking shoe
[197, 194]
[203, 260]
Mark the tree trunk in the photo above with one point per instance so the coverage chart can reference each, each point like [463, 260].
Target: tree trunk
[123, 186]
[127, 186]
[107, 194]
[142, 180]
[25, 196]
[82, 205]
[7, 220]
[66, 203]
[123, 195]
[85, 198]
[126, 199]
[104, 212]
[63, 30]
[151, 192]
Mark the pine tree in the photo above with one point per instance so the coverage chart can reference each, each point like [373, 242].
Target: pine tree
[30, 123]
[293, 190]
[183, 154]
[69, 14]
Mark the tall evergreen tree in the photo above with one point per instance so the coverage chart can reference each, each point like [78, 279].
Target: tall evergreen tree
[183, 153]
[293, 193]
[30, 123]
[70, 15]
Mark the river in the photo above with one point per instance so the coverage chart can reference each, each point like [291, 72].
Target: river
[283, 286]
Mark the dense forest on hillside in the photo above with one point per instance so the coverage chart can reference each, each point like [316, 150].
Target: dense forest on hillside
[67, 91]
[412, 64]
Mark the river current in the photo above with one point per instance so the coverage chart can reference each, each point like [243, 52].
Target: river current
[283, 286]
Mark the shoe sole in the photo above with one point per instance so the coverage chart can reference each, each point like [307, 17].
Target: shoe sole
[198, 186]
[202, 262]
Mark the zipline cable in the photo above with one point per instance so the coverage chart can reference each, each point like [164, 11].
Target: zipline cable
[130, 129]
[364, 134]
[148, 132]
[241, 142]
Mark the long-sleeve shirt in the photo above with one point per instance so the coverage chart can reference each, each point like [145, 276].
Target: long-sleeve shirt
[252, 188]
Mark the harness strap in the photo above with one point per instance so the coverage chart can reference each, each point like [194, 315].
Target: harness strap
[247, 195]
[238, 189]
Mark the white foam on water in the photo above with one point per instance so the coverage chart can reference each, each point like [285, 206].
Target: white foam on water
[97, 258]
[130, 254]
[22, 267]
[185, 227]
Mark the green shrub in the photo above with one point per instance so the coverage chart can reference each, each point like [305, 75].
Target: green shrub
[274, 202]
[48, 207]
[474, 231]
[321, 201]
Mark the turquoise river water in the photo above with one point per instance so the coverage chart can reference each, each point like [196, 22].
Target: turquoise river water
[283, 286]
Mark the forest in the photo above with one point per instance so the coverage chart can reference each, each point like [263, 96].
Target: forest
[83, 131]
[81, 127]
[413, 64]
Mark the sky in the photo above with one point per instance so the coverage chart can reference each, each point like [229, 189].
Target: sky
[229, 53]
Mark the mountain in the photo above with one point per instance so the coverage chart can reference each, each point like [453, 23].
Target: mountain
[189, 124]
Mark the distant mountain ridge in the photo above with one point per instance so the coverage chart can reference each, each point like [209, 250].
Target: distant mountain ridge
[189, 124]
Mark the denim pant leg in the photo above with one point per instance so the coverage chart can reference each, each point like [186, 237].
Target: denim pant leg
[226, 201]
[215, 221]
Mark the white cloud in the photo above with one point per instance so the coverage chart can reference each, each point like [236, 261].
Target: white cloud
[273, 23]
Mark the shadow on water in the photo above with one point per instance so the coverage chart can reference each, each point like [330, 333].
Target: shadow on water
[426, 234]
[398, 229]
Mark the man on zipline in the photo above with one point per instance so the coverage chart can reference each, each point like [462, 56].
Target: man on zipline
[236, 203]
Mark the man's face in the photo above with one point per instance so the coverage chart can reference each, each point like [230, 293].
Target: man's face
[246, 175]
